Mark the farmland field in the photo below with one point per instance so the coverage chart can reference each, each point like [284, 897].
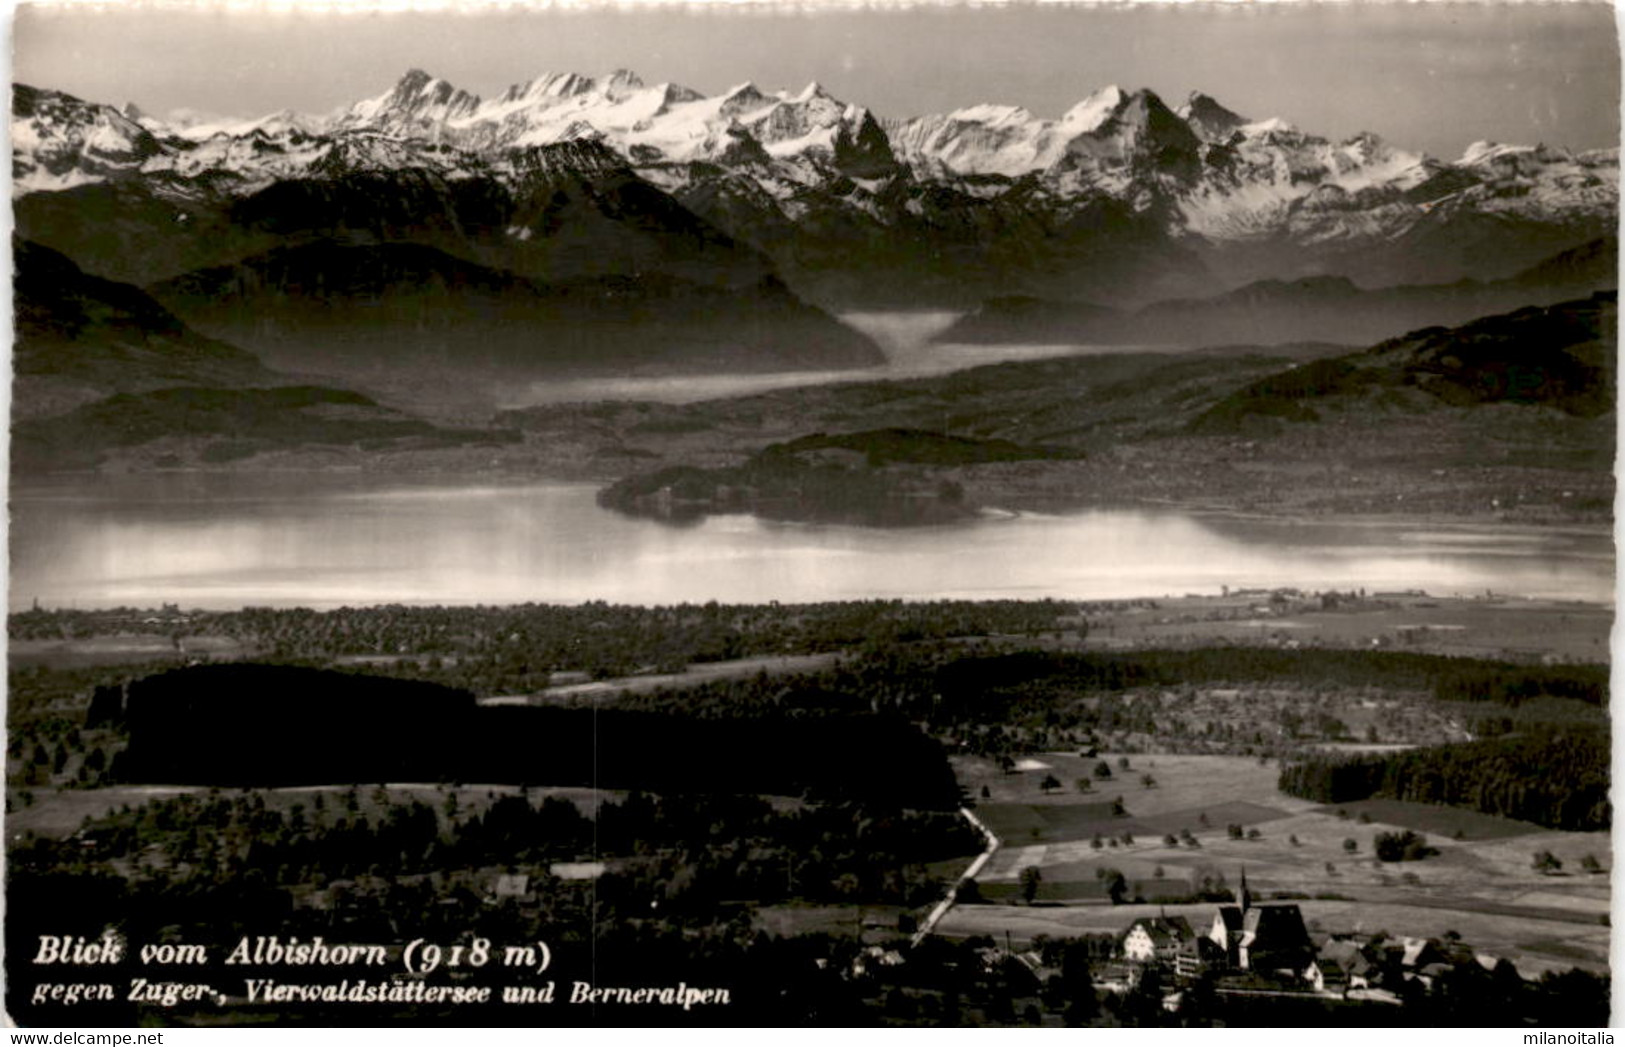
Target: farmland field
[1485, 627]
[61, 812]
[1482, 885]
[1431, 818]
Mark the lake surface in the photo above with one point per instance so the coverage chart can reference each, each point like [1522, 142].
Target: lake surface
[329, 540]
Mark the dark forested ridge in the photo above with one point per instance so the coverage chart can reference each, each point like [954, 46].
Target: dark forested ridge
[247, 724]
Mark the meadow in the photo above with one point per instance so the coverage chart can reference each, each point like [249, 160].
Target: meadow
[1481, 883]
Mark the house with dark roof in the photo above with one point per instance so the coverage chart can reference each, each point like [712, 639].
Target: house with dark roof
[1357, 967]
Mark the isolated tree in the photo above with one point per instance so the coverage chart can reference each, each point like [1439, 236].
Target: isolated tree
[1169, 840]
[1350, 845]
[1590, 864]
[1254, 833]
[1103, 769]
[1084, 785]
[1122, 763]
[987, 794]
[1118, 810]
[1116, 887]
[1031, 877]
[1546, 862]
[1049, 783]
[1293, 840]
[1147, 781]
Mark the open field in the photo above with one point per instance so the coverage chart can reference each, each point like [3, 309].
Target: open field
[695, 675]
[1434, 820]
[873, 923]
[121, 649]
[1482, 885]
[61, 813]
[1487, 627]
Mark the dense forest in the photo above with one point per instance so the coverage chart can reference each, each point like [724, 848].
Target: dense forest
[245, 724]
[1548, 776]
[1028, 700]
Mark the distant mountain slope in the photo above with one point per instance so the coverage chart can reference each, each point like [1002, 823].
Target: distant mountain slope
[208, 426]
[102, 368]
[545, 259]
[346, 308]
[1559, 357]
[1327, 308]
[1507, 418]
[78, 338]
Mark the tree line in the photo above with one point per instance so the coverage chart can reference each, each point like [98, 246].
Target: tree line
[1552, 777]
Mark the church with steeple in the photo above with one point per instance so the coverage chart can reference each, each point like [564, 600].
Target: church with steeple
[1266, 937]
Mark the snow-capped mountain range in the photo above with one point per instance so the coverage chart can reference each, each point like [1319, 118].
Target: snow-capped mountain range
[1120, 193]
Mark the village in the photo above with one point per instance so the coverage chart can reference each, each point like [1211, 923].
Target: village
[1252, 954]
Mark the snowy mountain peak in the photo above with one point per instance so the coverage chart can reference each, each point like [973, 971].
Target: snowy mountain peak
[745, 98]
[1093, 110]
[620, 84]
[58, 141]
[1484, 151]
[413, 82]
[1265, 128]
[814, 89]
[991, 115]
[676, 94]
[417, 102]
[548, 85]
[1139, 131]
[1211, 121]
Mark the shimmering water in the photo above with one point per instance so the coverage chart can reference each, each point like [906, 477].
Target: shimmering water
[326, 540]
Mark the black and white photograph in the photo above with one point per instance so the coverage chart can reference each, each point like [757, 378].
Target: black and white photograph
[826, 515]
